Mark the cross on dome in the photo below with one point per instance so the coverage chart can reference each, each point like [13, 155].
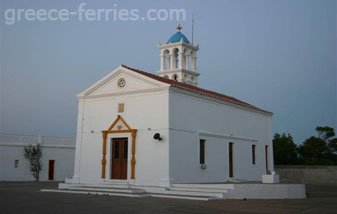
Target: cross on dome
[179, 27]
[178, 36]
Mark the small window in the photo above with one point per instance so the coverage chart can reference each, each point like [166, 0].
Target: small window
[202, 151]
[16, 163]
[266, 153]
[121, 107]
[231, 160]
[176, 57]
[253, 154]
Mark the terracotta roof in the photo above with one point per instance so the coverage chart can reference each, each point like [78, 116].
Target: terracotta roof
[196, 89]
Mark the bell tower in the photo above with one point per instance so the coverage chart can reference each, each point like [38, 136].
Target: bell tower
[178, 59]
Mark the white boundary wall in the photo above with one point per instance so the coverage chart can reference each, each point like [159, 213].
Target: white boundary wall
[60, 149]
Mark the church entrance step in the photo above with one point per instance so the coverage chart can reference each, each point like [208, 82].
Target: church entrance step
[199, 198]
[204, 186]
[118, 186]
[138, 195]
[105, 189]
[116, 181]
[199, 190]
[161, 191]
[187, 193]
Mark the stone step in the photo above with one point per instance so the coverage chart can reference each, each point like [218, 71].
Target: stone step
[104, 182]
[188, 193]
[199, 190]
[205, 186]
[116, 181]
[158, 195]
[174, 191]
[96, 193]
[199, 198]
[104, 189]
[119, 186]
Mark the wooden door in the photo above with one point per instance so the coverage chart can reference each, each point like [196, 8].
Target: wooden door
[119, 158]
[51, 169]
[231, 164]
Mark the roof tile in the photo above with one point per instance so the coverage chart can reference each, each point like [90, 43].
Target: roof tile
[195, 89]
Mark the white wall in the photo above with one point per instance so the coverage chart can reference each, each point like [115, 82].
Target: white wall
[62, 150]
[64, 162]
[8, 154]
[192, 118]
[146, 112]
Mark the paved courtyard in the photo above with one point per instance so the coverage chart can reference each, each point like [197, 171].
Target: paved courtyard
[25, 197]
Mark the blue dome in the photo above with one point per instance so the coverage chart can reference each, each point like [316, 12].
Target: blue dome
[177, 37]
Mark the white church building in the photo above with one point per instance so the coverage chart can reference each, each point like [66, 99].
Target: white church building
[144, 130]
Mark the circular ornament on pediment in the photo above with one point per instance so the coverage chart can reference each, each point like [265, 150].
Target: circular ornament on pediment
[121, 83]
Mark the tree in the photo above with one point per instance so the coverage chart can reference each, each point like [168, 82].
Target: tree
[333, 145]
[34, 154]
[325, 132]
[319, 150]
[313, 151]
[284, 150]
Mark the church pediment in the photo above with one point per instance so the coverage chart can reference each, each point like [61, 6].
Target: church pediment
[119, 125]
[122, 81]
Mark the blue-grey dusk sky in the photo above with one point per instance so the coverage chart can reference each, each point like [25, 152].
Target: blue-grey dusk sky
[277, 55]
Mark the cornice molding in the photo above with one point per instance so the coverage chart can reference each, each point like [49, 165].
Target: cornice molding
[230, 137]
[218, 135]
[165, 88]
[19, 144]
[181, 43]
[179, 70]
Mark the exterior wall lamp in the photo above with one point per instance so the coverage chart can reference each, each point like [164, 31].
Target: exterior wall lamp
[157, 137]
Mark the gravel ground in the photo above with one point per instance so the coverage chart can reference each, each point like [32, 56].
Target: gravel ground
[25, 197]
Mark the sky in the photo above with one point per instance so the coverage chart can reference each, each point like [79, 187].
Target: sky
[277, 55]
